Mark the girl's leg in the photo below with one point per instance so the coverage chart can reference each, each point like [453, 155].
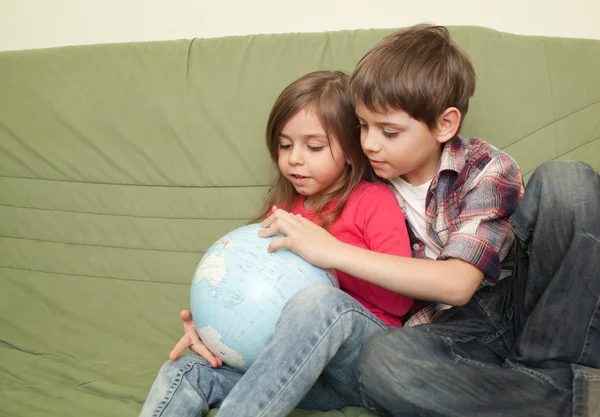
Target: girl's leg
[188, 387]
[321, 330]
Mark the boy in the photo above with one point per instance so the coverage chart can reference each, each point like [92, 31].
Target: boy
[511, 346]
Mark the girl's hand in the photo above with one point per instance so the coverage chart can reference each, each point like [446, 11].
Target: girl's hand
[190, 339]
[303, 237]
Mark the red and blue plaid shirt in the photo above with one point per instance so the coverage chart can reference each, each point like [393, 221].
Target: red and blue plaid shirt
[468, 206]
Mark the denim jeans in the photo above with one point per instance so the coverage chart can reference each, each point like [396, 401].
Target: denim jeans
[516, 349]
[512, 350]
[311, 362]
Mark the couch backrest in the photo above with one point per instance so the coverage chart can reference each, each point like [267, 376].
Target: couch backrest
[120, 164]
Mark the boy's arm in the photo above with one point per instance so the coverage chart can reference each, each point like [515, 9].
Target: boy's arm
[474, 250]
[450, 282]
[480, 239]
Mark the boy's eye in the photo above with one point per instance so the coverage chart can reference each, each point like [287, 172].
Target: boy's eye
[389, 135]
[315, 148]
[286, 146]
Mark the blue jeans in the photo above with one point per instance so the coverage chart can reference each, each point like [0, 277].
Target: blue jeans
[516, 349]
[310, 362]
[512, 350]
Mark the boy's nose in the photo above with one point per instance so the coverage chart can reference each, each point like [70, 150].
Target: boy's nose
[369, 143]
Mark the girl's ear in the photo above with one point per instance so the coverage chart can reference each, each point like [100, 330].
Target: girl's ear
[448, 124]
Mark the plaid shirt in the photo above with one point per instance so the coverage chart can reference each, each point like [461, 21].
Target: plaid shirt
[468, 206]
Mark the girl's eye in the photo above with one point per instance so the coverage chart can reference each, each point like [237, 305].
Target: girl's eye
[362, 125]
[282, 146]
[315, 148]
[389, 135]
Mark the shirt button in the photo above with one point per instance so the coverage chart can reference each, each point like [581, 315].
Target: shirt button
[416, 246]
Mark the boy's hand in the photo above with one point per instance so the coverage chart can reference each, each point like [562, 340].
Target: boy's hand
[303, 237]
[190, 339]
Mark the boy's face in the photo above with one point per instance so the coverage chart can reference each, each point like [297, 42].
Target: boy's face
[398, 145]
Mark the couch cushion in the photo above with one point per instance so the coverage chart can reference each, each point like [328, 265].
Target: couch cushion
[120, 164]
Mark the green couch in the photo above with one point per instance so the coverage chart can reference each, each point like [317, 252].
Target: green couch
[120, 164]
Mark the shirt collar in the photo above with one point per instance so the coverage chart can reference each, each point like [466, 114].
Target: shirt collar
[452, 159]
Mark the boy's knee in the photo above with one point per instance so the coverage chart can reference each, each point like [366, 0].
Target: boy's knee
[563, 185]
[384, 352]
[372, 359]
[573, 173]
[384, 368]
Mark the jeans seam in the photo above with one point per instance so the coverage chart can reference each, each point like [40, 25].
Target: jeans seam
[587, 332]
[578, 404]
[519, 232]
[536, 375]
[594, 238]
[592, 318]
[458, 358]
[339, 316]
[172, 389]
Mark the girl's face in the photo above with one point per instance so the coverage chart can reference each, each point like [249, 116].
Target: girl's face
[312, 162]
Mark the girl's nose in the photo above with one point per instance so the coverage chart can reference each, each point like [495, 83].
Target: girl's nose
[296, 157]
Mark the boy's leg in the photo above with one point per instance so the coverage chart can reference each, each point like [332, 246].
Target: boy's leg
[321, 330]
[557, 281]
[428, 371]
[416, 371]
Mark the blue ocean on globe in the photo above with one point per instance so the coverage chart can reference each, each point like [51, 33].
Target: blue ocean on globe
[239, 289]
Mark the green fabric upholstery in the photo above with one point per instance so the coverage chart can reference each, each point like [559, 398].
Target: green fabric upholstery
[120, 164]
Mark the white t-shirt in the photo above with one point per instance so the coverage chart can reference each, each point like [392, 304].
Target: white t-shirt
[415, 197]
[415, 211]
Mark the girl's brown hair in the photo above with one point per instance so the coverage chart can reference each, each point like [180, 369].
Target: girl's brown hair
[325, 93]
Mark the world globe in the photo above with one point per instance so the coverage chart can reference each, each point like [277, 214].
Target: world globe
[239, 289]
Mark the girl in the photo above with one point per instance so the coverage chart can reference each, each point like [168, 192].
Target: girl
[313, 138]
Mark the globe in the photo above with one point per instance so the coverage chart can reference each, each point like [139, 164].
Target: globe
[239, 289]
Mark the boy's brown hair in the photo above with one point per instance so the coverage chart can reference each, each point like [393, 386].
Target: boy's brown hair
[419, 70]
[326, 93]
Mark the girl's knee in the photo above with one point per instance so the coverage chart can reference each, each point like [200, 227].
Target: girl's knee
[315, 297]
[182, 364]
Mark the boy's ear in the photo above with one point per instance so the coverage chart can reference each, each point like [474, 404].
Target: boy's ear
[448, 124]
